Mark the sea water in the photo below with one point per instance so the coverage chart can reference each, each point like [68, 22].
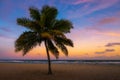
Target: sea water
[61, 61]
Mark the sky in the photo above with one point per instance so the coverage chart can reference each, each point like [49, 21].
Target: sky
[96, 33]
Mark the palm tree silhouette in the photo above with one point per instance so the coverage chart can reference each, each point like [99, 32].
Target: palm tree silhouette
[44, 27]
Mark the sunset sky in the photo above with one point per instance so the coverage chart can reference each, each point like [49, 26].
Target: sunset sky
[96, 33]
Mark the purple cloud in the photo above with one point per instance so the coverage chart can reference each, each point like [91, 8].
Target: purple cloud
[112, 44]
[107, 50]
[99, 52]
[7, 37]
[5, 29]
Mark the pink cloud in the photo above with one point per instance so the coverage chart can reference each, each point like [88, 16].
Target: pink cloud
[102, 31]
[109, 20]
[100, 27]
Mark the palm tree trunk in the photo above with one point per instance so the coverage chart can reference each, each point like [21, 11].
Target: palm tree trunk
[49, 62]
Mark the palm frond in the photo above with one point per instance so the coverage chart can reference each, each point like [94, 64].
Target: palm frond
[50, 15]
[53, 48]
[63, 48]
[34, 13]
[42, 20]
[34, 26]
[26, 42]
[64, 41]
[46, 35]
[63, 25]
[61, 42]
[57, 33]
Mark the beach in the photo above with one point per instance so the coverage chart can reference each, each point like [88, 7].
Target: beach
[22, 71]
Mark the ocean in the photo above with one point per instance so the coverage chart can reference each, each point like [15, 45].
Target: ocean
[61, 61]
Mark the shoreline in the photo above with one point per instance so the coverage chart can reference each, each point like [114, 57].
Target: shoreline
[16, 71]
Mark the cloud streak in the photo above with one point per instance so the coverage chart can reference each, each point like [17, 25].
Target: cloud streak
[5, 29]
[113, 34]
[112, 44]
[104, 26]
[89, 7]
[107, 50]
[102, 4]
[75, 2]
[109, 20]
[7, 37]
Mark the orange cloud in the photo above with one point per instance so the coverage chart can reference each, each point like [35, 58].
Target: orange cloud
[115, 34]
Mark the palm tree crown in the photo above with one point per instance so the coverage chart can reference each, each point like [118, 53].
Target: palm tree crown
[44, 27]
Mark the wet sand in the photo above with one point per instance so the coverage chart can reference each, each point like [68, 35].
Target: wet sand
[16, 71]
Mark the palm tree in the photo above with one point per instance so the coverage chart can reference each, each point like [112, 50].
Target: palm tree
[44, 27]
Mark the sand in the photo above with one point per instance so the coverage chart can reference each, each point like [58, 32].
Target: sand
[16, 71]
